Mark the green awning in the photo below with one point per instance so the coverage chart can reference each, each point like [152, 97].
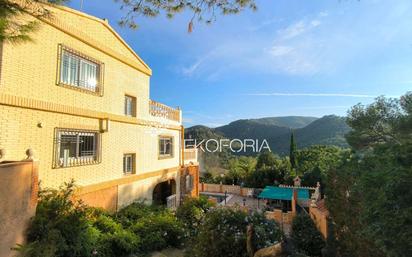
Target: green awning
[283, 193]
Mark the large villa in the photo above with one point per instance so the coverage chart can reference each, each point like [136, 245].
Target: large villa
[95, 162]
[76, 101]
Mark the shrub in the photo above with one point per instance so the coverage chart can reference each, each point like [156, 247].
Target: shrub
[137, 210]
[156, 226]
[107, 224]
[121, 242]
[192, 212]
[63, 227]
[114, 240]
[60, 227]
[305, 236]
[158, 232]
[223, 233]
[266, 232]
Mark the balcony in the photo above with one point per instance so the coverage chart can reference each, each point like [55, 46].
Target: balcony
[190, 156]
[157, 109]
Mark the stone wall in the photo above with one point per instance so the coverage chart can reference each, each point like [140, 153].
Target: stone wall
[230, 189]
[320, 218]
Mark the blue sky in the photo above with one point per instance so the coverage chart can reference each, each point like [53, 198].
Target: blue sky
[291, 57]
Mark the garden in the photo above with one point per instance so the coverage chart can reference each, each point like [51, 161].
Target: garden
[64, 227]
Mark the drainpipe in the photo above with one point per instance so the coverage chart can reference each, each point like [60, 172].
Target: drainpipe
[181, 162]
[182, 146]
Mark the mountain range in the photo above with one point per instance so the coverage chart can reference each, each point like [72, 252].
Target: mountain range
[328, 130]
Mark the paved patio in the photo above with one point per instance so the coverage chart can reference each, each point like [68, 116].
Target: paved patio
[250, 202]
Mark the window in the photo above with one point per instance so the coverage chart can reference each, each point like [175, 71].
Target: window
[130, 106]
[165, 147]
[79, 71]
[76, 147]
[129, 163]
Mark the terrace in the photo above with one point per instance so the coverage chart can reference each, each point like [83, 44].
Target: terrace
[163, 111]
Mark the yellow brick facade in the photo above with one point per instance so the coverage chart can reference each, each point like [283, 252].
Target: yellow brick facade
[33, 105]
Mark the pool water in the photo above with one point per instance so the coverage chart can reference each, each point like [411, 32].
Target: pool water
[219, 197]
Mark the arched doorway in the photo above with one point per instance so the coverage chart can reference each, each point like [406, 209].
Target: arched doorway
[163, 190]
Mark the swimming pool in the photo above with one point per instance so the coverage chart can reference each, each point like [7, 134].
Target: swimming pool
[219, 197]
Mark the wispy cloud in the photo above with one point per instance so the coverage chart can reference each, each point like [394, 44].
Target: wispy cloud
[314, 95]
[297, 29]
[323, 14]
[190, 70]
[280, 50]
[315, 44]
[264, 24]
[291, 50]
[294, 50]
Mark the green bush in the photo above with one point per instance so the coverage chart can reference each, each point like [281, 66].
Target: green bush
[137, 210]
[107, 224]
[66, 228]
[266, 232]
[60, 227]
[156, 226]
[192, 212]
[223, 233]
[121, 242]
[158, 232]
[305, 236]
[114, 240]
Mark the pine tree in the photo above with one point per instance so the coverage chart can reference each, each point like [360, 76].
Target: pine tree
[292, 153]
[202, 10]
[13, 28]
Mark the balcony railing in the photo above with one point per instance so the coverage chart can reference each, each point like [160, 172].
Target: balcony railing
[160, 110]
[190, 155]
[171, 201]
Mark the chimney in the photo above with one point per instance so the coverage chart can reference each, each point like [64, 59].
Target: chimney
[297, 181]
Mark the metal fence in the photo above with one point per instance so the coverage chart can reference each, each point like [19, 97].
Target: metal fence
[172, 201]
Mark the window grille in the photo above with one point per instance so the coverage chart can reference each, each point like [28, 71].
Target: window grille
[79, 71]
[76, 148]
